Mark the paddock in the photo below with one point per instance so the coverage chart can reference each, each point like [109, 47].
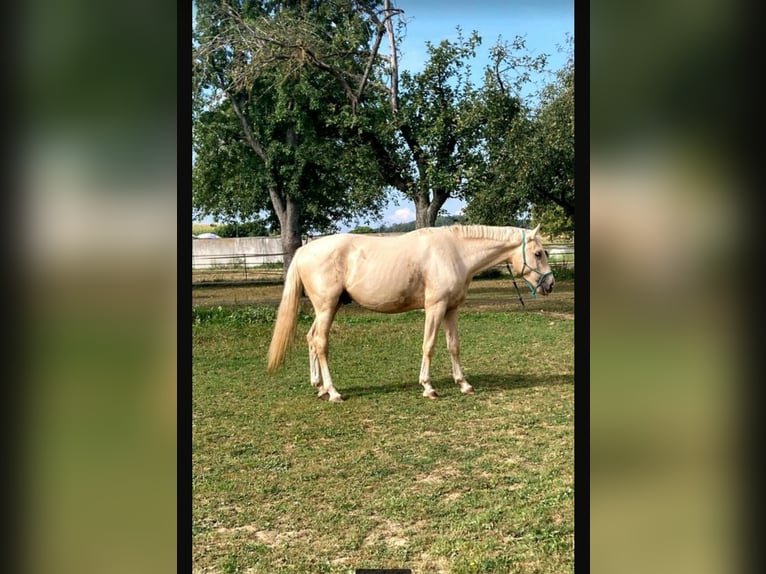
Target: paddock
[470, 483]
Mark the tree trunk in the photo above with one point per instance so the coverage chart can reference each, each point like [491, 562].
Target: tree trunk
[288, 212]
[290, 231]
[422, 218]
[427, 209]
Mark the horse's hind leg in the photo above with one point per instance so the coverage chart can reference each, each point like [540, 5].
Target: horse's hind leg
[321, 330]
[453, 345]
[314, 372]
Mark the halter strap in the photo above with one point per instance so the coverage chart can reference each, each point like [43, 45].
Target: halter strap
[541, 275]
[510, 272]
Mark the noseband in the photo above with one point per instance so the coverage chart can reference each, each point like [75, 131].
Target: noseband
[541, 275]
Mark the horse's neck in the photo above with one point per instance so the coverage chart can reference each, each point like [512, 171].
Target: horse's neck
[480, 254]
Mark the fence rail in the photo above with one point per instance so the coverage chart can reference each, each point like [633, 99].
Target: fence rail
[236, 267]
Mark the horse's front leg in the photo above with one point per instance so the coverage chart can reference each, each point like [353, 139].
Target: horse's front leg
[434, 316]
[453, 345]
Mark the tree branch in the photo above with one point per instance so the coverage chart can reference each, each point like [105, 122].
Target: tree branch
[391, 171]
[417, 151]
[567, 206]
[353, 99]
[249, 135]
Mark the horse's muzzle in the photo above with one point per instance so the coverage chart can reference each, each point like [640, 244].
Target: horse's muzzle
[546, 288]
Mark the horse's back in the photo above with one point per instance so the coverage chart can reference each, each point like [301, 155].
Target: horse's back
[370, 248]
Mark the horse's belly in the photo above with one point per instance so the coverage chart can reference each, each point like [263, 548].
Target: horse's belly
[385, 301]
[396, 306]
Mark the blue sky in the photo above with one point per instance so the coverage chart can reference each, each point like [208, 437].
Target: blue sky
[544, 24]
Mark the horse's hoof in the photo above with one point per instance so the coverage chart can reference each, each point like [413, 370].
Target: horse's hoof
[467, 390]
[430, 394]
[337, 399]
[324, 396]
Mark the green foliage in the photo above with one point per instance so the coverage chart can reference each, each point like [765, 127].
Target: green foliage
[226, 175]
[553, 220]
[397, 227]
[563, 272]
[441, 221]
[266, 126]
[436, 138]
[291, 104]
[246, 229]
[527, 160]
[198, 228]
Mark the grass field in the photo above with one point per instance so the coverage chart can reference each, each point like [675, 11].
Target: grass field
[198, 228]
[283, 482]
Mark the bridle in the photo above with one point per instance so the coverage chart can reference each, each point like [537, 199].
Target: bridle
[541, 275]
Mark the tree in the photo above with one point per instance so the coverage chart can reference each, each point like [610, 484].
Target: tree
[246, 229]
[431, 120]
[411, 125]
[266, 130]
[226, 174]
[547, 167]
[419, 127]
[527, 158]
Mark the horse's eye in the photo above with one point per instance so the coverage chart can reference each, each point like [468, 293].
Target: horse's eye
[538, 254]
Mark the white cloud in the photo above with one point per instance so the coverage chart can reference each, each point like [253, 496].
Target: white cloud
[402, 215]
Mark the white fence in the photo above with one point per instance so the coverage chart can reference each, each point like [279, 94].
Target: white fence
[235, 252]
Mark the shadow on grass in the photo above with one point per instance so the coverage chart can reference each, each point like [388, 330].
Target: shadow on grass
[510, 381]
[444, 386]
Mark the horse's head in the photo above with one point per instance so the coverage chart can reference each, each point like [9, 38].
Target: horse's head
[532, 260]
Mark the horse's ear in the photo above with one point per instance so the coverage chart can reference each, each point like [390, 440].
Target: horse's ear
[533, 233]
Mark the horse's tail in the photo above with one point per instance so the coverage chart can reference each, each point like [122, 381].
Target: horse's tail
[287, 318]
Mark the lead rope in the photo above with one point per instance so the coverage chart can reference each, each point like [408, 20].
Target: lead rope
[514, 284]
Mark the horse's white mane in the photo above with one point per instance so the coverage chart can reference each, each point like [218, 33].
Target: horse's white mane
[477, 232]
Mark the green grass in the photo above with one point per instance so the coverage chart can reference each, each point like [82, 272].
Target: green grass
[283, 482]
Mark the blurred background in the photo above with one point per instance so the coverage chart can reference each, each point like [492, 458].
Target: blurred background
[671, 239]
[93, 99]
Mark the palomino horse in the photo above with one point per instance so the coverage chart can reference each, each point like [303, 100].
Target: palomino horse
[425, 269]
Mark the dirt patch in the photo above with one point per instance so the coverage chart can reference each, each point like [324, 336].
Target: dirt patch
[428, 563]
[387, 532]
[437, 476]
[568, 316]
[270, 538]
[452, 496]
